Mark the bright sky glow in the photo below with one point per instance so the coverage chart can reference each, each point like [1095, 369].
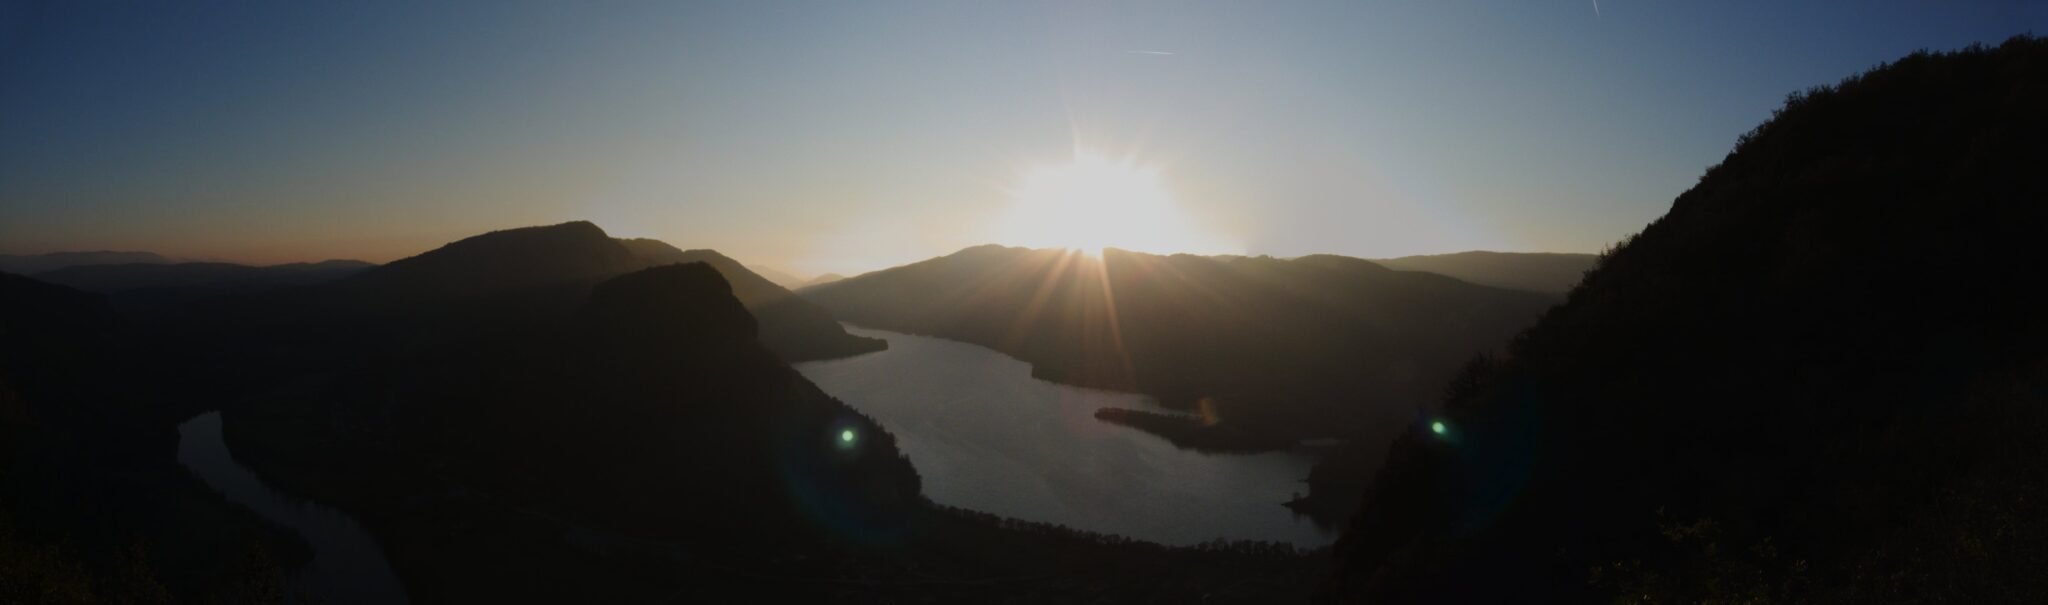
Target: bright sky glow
[1093, 202]
[853, 136]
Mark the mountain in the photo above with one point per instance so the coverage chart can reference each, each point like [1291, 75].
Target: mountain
[823, 279]
[574, 252]
[780, 278]
[1546, 272]
[1819, 377]
[1268, 351]
[556, 264]
[29, 264]
[791, 326]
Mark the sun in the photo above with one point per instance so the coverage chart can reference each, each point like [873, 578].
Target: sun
[1094, 202]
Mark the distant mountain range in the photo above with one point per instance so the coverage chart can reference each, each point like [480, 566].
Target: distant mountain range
[778, 277]
[1745, 403]
[107, 279]
[824, 279]
[149, 287]
[30, 264]
[1267, 350]
[1546, 272]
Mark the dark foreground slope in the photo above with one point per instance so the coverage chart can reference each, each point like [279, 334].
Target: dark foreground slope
[1820, 377]
[795, 328]
[1546, 272]
[645, 412]
[1267, 350]
[94, 506]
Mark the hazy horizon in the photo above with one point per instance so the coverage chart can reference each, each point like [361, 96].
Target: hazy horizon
[822, 138]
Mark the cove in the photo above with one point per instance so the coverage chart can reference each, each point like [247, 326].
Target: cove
[987, 436]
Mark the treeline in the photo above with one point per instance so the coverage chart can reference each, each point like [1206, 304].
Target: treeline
[1818, 378]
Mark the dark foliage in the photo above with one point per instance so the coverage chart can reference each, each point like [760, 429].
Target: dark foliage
[1820, 377]
[93, 505]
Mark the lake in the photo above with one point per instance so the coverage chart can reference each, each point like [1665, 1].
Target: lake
[347, 567]
[987, 436]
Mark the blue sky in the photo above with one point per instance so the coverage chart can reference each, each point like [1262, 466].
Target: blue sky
[841, 136]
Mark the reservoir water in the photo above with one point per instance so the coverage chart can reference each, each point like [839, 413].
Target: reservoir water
[347, 567]
[987, 436]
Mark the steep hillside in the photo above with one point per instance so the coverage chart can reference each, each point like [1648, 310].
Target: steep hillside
[1820, 377]
[1267, 350]
[1546, 272]
[794, 328]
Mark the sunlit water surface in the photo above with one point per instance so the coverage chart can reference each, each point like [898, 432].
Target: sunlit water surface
[987, 436]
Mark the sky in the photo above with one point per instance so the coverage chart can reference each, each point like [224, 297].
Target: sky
[851, 136]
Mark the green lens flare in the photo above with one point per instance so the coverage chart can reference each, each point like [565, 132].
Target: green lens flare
[1438, 427]
[846, 436]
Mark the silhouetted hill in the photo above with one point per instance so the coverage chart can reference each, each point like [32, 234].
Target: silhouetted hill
[1270, 350]
[794, 328]
[574, 252]
[1820, 377]
[1546, 272]
[30, 264]
[553, 265]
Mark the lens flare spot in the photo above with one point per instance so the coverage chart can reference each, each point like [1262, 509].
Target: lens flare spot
[846, 435]
[1439, 428]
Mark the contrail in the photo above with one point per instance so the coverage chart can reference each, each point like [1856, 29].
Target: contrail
[1596, 9]
[1151, 52]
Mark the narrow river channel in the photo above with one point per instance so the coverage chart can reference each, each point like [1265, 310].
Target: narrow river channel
[348, 566]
